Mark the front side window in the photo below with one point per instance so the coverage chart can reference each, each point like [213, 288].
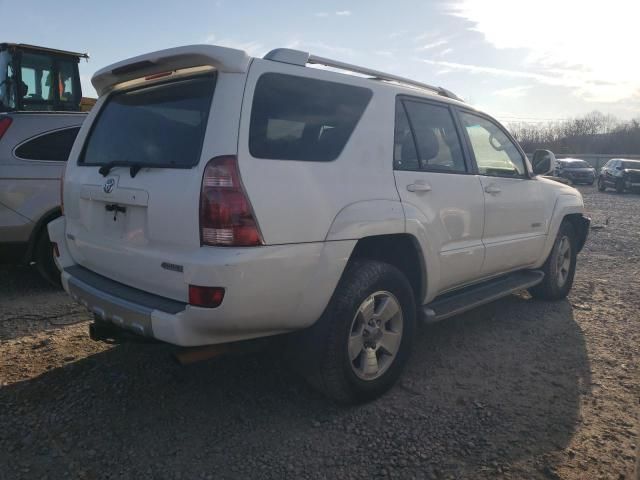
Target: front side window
[496, 154]
[160, 125]
[437, 145]
[54, 146]
[298, 118]
[631, 165]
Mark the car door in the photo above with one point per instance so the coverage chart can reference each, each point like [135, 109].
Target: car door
[515, 223]
[433, 177]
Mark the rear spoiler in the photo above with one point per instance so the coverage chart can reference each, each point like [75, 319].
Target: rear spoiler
[221, 58]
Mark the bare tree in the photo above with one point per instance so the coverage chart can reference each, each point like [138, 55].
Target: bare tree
[593, 133]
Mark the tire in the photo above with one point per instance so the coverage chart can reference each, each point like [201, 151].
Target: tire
[560, 267]
[620, 185]
[349, 361]
[591, 183]
[44, 258]
[601, 186]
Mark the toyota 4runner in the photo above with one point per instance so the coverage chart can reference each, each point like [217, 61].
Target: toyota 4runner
[212, 197]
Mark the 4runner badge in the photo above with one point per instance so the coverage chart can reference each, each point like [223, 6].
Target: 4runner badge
[108, 185]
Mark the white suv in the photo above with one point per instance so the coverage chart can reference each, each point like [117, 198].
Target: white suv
[213, 197]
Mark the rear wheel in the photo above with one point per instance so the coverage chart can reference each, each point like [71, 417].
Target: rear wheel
[560, 267]
[364, 337]
[44, 258]
[601, 186]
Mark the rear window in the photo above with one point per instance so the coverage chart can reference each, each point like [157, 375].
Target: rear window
[297, 118]
[161, 125]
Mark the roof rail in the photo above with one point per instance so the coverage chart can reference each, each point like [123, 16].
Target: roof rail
[298, 57]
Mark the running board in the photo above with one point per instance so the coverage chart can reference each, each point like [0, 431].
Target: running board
[467, 298]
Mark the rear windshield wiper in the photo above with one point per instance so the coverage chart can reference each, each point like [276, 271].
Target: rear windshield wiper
[133, 170]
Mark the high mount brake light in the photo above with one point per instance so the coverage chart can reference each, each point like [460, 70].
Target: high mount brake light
[226, 216]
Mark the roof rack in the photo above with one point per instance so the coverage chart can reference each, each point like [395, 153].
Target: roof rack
[298, 57]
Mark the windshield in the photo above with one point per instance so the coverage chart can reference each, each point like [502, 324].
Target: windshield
[631, 164]
[576, 164]
[161, 125]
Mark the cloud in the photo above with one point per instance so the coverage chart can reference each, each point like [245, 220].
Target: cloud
[252, 47]
[393, 35]
[339, 13]
[586, 45]
[429, 46]
[321, 47]
[384, 53]
[588, 89]
[514, 92]
[444, 52]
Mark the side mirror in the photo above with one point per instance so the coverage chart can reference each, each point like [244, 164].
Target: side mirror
[618, 167]
[543, 162]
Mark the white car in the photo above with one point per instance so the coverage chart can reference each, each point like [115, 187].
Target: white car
[213, 197]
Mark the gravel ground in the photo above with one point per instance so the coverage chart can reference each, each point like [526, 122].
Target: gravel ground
[517, 389]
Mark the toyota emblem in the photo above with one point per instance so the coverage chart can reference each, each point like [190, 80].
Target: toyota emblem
[108, 185]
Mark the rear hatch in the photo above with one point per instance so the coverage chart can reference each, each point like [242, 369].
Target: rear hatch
[132, 193]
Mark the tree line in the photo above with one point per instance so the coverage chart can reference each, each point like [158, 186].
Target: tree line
[594, 133]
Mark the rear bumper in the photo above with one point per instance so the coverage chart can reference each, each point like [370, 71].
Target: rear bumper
[274, 289]
[113, 302]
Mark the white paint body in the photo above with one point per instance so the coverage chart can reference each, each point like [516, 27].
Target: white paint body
[311, 214]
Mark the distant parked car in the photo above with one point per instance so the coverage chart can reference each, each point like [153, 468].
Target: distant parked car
[575, 170]
[620, 174]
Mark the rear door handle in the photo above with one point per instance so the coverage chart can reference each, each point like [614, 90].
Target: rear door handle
[492, 189]
[419, 187]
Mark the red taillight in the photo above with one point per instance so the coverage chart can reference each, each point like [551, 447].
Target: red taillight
[5, 123]
[210, 297]
[226, 216]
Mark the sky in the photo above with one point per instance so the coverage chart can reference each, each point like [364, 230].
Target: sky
[519, 60]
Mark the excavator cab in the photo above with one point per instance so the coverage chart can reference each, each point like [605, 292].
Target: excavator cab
[39, 79]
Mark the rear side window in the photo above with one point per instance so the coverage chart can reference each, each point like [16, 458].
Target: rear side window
[426, 138]
[160, 125]
[297, 118]
[54, 146]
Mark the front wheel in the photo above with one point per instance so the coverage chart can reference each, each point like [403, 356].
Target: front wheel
[620, 185]
[363, 339]
[601, 186]
[560, 267]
